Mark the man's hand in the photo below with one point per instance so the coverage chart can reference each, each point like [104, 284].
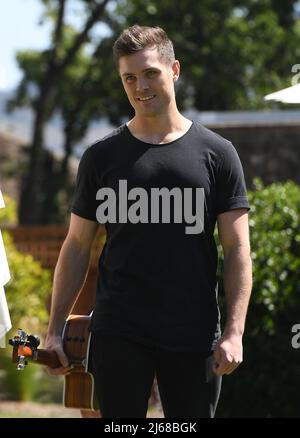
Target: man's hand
[228, 354]
[55, 343]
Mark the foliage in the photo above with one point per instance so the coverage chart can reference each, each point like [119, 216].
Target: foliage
[264, 386]
[26, 295]
[232, 52]
[27, 290]
[17, 385]
[8, 215]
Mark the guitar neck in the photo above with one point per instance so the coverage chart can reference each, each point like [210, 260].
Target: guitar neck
[46, 357]
[76, 329]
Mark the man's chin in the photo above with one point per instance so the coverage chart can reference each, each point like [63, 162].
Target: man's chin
[148, 113]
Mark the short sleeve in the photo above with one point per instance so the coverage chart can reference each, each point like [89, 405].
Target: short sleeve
[231, 192]
[84, 201]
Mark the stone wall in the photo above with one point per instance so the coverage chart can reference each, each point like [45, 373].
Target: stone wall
[271, 152]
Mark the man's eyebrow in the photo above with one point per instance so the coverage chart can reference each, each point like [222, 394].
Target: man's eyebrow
[143, 71]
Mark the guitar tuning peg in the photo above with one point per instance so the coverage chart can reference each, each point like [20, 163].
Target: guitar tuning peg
[20, 366]
[22, 335]
[22, 363]
[34, 341]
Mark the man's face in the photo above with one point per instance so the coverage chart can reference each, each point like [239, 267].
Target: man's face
[148, 82]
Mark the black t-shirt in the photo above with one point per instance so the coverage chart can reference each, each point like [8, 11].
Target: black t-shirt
[157, 271]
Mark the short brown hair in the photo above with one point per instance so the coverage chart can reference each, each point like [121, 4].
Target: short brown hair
[136, 38]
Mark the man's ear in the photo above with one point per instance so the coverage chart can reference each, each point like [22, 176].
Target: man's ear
[176, 70]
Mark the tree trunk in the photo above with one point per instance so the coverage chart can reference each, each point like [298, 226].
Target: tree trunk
[31, 199]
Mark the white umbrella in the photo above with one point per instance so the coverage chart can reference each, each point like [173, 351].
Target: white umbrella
[287, 95]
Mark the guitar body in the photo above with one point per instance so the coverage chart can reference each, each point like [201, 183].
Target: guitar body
[79, 384]
[79, 391]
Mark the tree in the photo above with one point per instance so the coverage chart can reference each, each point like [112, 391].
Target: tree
[232, 52]
[81, 96]
[56, 60]
[73, 101]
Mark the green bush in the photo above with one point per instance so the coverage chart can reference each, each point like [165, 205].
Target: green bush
[8, 215]
[27, 290]
[26, 295]
[265, 385]
[17, 385]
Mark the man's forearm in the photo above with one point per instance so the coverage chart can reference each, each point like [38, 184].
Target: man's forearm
[238, 285]
[69, 276]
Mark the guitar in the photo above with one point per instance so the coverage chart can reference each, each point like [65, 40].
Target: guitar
[79, 384]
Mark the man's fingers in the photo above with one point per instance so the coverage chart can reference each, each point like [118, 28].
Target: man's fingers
[55, 343]
[59, 371]
[227, 357]
[230, 367]
[224, 366]
[61, 355]
[63, 359]
[220, 367]
[64, 369]
[233, 366]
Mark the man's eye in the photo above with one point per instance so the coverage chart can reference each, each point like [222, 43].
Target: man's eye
[151, 73]
[129, 78]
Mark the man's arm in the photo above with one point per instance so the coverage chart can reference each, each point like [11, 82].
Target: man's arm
[234, 236]
[69, 276]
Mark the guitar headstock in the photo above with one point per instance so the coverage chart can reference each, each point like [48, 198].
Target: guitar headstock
[24, 346]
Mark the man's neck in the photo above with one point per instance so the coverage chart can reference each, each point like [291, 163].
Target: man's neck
[160, 129]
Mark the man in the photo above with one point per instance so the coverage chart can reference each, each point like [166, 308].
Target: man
[156, 310]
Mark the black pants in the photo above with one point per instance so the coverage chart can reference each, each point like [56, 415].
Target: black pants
[124, 371]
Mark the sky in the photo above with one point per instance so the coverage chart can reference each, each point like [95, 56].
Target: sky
[19, 29]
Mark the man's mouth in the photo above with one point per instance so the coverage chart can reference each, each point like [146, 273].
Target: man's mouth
[143, 99]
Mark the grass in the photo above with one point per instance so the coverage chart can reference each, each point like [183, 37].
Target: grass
[10, 409]
[35, 410]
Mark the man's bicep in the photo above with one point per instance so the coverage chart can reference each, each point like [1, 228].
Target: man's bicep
[233, 228]
[82, 230]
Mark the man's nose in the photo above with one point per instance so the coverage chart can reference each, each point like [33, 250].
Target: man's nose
[141, 84]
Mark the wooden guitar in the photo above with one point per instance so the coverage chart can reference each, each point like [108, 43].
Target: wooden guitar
[79, 384]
